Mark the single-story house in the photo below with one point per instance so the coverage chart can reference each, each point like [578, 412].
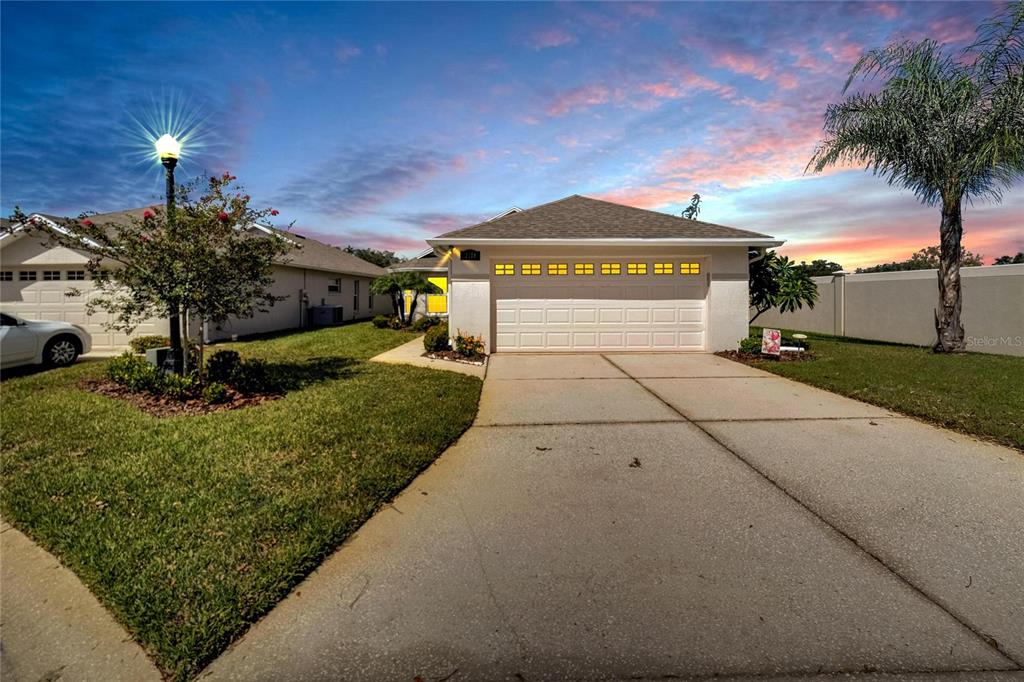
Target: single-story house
[35, 278]
[581, 274]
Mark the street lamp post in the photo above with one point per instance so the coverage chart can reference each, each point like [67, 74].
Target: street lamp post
[169, 149]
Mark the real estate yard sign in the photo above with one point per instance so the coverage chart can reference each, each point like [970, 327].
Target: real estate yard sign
[771, 342]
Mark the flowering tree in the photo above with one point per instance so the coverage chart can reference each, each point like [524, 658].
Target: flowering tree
[204, 263]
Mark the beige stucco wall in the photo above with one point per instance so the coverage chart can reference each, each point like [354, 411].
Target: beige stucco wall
[293, 283]
[899, 307]
[470, 305]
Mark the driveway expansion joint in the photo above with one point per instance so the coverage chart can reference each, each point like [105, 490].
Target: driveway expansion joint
[934, 599]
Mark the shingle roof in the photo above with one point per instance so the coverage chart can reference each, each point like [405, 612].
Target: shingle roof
[579, 217]
[428, 262]
[309, 253]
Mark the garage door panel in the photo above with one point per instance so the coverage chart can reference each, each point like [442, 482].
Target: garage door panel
[638, 315]
[611, 316]
[612, 339]
[557, 315]
[584, 340]
[506, 316]
[531, 316]
[584, 315]
[558, 341]
[531, 340]
[664, 316]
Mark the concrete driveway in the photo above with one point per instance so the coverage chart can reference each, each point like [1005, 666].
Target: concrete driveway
[653, 516]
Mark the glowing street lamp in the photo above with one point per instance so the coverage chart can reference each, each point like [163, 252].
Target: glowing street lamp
[169, 149]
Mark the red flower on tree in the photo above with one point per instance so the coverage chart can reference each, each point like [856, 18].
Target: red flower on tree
[87, 222]
[223, 217]
[146, 215]
[274, 211]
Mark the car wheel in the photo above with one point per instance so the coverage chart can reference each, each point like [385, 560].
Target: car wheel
[60, 351]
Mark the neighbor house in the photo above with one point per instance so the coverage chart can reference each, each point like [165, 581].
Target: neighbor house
[433, 269]
[36, 279]
[581, 274]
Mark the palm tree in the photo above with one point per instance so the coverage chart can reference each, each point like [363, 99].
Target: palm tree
[947, 126]
[777, 282]
[396, 285]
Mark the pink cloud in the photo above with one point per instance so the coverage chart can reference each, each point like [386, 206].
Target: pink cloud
[787, 81]
[550, 37]
[843, 50]
[578, 98]
[886, 9]
[742, 63]
[364, 238]
[950, 30]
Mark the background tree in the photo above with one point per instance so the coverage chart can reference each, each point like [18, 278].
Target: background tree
[396, 285]
[207, 264]
[776, 282]
[947, 126]
[1008, 260]
[928, 258]
[375, 256]
[693, 210]
[819, 267]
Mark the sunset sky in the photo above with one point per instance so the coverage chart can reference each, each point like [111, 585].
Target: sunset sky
[381, 125]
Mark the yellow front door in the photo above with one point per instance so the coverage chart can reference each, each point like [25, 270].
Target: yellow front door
[438, 303]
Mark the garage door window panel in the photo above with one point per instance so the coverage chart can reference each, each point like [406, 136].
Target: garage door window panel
[558, 269]
[663, 268]
[504, 269]
[76, 275]
[636, 268]
[583, 269]
[530, 269]
[27, 276]
[611, 269]
[689, 268]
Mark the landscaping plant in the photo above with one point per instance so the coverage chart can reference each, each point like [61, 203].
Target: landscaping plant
[948, 126]
[776, 282]
[395, 285]
[382, 321]
[468, 345]
[436, 338]
[140, 344]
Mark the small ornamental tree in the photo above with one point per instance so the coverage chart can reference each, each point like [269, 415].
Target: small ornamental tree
[775, 282]
[205, 264]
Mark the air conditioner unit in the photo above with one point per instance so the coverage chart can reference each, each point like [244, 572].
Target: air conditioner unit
[326, 315]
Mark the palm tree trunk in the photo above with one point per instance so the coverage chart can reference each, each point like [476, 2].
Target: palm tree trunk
[949, 330]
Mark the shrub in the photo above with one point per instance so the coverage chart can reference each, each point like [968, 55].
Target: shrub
[223, 366]
[382, 321]
[140, 344]
[426, 322]
[469, 345]
[215, 393]
[134, 373]
[252, 376]
[750, 345]
[436, 338]
[178, 386]
[395, 323]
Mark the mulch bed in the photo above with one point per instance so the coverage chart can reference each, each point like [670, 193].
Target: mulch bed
[754, 358]
[452, 356]
[163, 406]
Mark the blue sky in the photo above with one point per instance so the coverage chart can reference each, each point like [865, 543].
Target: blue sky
[383, 124]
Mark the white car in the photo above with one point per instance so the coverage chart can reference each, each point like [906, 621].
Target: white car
[39, 342]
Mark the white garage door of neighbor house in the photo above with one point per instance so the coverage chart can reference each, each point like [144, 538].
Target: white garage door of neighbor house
[624, 309]
[47, 300]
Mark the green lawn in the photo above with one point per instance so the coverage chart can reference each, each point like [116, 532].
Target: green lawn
[975, 393]
[190, 528]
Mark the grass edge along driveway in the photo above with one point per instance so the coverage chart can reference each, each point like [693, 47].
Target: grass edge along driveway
[190, 528]
[975, 393]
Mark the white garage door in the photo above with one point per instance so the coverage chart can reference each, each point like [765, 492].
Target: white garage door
[46, 299]
[628, 308]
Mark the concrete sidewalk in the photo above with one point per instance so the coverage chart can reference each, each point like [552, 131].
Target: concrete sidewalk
[411, 353]
[652, 516]
[53, 627]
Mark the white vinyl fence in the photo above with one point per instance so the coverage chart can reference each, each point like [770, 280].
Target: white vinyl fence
[900, 307]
